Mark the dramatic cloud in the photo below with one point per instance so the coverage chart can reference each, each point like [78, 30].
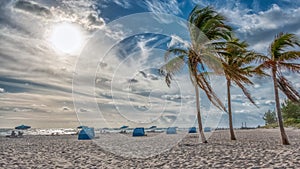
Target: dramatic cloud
[253, 20]
[34, 8]
[36, 81]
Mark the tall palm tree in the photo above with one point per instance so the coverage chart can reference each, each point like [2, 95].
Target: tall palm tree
[235, 60]
[205, 25]
[280, 58]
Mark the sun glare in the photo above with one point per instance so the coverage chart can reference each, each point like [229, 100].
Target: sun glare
[66, 38]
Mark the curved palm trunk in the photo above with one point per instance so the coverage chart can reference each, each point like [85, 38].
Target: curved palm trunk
[232, 135]
[203, 139]
[284, 137]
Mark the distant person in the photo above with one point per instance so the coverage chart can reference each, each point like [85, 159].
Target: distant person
[20, 134]
[13, 134]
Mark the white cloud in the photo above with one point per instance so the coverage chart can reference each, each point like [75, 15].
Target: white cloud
[123, 3]
[176, 40]
[169, 7]
[253, 26]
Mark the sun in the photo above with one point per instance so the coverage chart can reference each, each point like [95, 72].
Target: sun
[66, 38]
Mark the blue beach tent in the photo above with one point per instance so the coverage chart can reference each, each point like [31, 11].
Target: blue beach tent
[193, 130]
[171, 130]
[138, 132]
[86, 133]
[207, 129]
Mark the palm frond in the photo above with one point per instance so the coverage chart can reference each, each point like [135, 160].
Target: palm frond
[174, 51]
[289, 56]
[286, 87]
[246, 92]
[203, 83]
[237, 74]
[255, 57]
[281, 42]
[208, 21]
[208, 57]
[172, 67]
[292, 67]
[259, 70]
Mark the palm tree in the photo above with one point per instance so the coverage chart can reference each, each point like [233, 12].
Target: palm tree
[205, 25]
[282, 59]
[235, 60]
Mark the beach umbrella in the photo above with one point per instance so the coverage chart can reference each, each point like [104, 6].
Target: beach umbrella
[124, 127]
[22, 127]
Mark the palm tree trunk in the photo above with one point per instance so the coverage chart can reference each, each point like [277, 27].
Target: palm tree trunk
[232, 136]
[199, 115]
[284, 137]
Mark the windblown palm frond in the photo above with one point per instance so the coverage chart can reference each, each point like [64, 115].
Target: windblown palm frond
[286, 87]
[172, 67]
[208, 21]
[204, 84]
[291, 67]
[289, 56]
[281, 42]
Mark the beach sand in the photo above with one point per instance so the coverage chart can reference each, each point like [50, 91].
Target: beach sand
[259, 148]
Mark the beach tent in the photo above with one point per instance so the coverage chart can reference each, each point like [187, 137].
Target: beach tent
[86, 133]
[138, 132]
[207, 129]
[171, 130]
[193, 130]
[22, 127]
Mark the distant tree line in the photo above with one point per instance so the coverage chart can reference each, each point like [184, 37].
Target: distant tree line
[290, 114]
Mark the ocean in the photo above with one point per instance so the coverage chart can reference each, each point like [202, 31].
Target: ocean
[36, 131]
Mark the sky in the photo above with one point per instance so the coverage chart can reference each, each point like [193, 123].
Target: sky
[95, 62]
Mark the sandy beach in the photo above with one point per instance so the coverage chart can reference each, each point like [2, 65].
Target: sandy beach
[259, 148]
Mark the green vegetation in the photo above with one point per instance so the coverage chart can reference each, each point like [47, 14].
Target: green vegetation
[291, 110]
[290, 113]
[270, 117]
